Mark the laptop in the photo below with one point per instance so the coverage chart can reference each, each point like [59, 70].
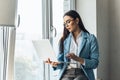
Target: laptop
[44, 49]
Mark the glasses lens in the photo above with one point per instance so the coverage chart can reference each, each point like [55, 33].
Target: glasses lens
[67, 23]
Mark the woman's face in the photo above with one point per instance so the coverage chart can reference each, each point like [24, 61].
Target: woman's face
[70, 23]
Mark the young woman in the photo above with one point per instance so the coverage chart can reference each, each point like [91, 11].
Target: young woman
[78, 50]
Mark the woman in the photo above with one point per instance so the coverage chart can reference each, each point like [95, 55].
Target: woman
[78, 50]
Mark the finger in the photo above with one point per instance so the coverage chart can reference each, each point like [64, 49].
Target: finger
[68, 55]
[49, 60]
[54, 64]
[46, 61]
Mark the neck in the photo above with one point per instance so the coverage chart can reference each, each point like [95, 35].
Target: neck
[75, 34]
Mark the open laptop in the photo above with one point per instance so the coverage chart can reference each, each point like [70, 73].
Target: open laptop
[44, 49]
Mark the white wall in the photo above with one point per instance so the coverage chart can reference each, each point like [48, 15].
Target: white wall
[114, 26]
[87, 11]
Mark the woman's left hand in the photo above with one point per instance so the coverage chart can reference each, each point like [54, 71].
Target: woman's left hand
[74, 57]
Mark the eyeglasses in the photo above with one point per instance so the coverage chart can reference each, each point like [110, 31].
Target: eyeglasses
[67, 23]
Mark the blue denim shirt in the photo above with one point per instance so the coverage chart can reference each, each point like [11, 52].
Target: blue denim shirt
[88, 50]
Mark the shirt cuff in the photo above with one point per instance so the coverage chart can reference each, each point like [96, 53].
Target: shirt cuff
[84, 62]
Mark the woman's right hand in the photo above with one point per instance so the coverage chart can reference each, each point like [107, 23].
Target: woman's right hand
[54, 64]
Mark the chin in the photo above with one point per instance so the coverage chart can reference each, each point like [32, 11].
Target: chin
[70, 31]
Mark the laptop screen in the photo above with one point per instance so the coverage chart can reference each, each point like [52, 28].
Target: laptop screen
[44, 49]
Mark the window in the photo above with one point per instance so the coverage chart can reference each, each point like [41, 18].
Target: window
[27, 63]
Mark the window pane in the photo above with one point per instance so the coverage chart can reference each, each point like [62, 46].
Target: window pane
[58, 24]
[27, 63]
[57, 20]
[31, 21]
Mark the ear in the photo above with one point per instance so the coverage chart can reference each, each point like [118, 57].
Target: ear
[77, 20]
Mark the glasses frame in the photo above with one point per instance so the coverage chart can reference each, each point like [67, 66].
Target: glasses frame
[67, 23]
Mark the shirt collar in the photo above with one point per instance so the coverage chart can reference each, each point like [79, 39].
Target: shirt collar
[79, 35]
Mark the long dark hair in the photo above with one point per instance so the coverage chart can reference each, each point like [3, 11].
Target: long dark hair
[74, 15]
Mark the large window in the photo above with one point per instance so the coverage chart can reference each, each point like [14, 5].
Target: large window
[27, 63]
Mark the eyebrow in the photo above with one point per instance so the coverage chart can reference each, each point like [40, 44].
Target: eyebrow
[68, 20]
